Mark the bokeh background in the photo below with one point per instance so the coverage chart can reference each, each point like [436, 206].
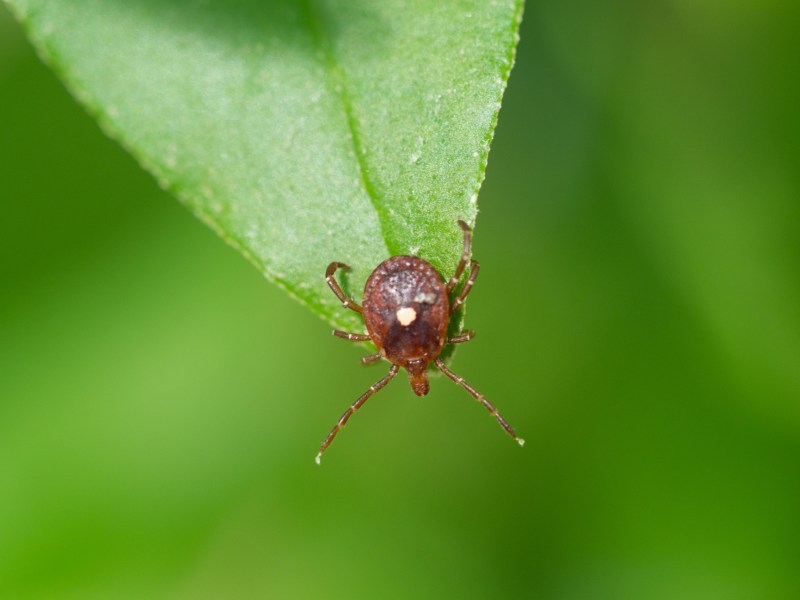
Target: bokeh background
[638, 318]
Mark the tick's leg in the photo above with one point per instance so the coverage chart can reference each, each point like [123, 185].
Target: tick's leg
[464, 257]
[371, 359]
[462, 337]
[353, 337]
[356, 405]
[334, 285]
[480, 398]
[473, 275]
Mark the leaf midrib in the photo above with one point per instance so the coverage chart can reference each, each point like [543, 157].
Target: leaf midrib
[341, 91]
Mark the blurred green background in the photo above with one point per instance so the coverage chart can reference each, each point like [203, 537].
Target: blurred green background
[638, 318]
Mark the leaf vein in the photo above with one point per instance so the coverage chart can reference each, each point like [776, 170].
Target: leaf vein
[341, 90]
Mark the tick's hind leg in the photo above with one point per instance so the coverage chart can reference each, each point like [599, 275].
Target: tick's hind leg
[480, 398]
[356, 405]
[464, 257]
[334, 285]
[474, 269]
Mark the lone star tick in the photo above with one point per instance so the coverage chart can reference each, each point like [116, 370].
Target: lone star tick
[407, 310]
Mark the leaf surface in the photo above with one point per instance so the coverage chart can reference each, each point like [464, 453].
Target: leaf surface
[301, 131]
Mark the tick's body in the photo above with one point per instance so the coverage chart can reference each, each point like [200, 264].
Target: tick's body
[407, 311]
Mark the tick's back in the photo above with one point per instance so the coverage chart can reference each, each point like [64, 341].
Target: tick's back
[406, 310]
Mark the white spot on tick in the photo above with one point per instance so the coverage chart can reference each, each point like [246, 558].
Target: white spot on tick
[406, 316]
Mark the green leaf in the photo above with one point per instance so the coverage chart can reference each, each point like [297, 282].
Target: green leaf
[301, 131]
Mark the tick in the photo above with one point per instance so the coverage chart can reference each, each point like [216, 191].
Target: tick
[407, 310]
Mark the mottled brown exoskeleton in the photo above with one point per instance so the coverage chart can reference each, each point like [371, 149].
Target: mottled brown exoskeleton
[407, 310]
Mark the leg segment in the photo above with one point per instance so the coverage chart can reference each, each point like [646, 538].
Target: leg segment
[353, 337]
[334, 285]
[356, 405]
[371, 359]
[473, 275]
[480, 398]
[464, 257]
[462, 337]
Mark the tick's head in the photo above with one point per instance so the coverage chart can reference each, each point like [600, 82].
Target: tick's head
[418, 376]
